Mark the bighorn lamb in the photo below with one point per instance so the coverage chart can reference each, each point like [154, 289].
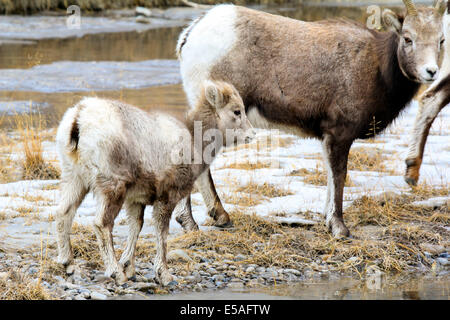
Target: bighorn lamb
[327, 79]
[432, 101]
[127, 156]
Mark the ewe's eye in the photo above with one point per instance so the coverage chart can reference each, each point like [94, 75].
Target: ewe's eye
[237, 112]
[442, 42]
[408, 40]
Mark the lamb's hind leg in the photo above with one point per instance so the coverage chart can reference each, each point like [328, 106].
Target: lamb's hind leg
[183, 214]
[72, 194]
[109, 207]
[161, 215]
[135, 218]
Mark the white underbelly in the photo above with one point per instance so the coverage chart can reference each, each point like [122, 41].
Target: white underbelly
[259, 121]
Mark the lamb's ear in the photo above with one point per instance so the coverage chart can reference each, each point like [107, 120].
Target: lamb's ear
[213, 94]
[441, 6]
[392, 21]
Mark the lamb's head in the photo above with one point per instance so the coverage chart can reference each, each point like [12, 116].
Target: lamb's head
[420, 40]
[229, 111]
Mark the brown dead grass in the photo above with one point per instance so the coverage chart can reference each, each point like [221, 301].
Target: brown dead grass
[34, 166]
[18, 286]
[367, 159]
[248, 165]
[385, 233]
[85, 246]
[317, 176]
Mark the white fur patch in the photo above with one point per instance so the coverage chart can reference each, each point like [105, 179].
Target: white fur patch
[209, 40]
[259, 121]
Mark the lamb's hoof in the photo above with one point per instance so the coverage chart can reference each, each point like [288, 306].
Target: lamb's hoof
[187, 225]
[70, 269]
[119, 276]
[223, 222]
[338, 228]
[165, 278]
[128, 269]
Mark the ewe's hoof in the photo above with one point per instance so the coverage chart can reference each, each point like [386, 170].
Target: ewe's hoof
[411, 181]
[338, 229]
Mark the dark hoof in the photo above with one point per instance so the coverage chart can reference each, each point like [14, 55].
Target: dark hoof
[411, 181]
[226, 225]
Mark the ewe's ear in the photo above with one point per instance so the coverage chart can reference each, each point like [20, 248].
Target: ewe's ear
[392, 21]
[213, 94]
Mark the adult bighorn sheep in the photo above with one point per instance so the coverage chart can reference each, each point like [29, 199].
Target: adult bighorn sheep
[432, 101]
[326, 79]
[127, 156]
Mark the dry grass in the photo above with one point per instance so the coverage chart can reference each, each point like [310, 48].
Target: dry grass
[266, 190]
[317, 177]
[32, 134]
[367, 159]
[385, 233]
[248, 165]
[18, 286]
[84, 245]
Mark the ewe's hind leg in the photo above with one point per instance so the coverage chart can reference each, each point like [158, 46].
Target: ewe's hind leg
[108, 210]
[183, 214]
[161, 215]
[135, 218]
[72, 194]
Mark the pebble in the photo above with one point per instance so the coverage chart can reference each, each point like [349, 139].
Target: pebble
[240, 257]
[250, 269]
[293, 271]
[443, 261]
[98, 296]
[178, 254]
[433, 249]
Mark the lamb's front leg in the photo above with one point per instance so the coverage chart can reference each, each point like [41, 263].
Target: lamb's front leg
[135, 219]
[161, 215]
[109, 208]
[215, 208]
[183, 214]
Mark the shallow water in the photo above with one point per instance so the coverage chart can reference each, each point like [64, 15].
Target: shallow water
[420, 288]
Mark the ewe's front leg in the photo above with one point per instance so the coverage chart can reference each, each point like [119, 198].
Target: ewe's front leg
[336, 154]
[161, 215]
[135, 219]
[183, 214]
[430, 106]
[215, 208]
[72, 194]
[103, 226]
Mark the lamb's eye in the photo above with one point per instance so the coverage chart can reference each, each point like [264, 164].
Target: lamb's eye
[442, 42]
[237, 112]
[408, 40]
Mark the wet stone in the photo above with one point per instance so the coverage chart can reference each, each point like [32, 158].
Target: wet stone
[98, 296]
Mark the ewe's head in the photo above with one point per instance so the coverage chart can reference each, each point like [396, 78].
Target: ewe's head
[229, 111]
[420, 40]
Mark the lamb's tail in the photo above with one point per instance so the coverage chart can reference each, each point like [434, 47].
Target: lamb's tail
[68, 135]
[184, 35]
